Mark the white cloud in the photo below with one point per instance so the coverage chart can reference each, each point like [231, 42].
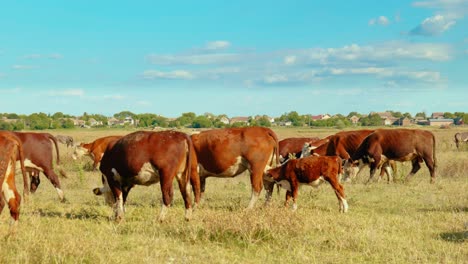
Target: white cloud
[193, 59]
[67, 92]
[452, 9]
[275, 78]
[216, 45]
[432, 26]
[290, 60]
[381, 20]
[177, 74]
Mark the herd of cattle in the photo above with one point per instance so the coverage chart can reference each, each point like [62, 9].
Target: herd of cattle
[145, 158]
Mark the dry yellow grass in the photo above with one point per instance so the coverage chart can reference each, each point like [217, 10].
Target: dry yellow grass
[415, 222]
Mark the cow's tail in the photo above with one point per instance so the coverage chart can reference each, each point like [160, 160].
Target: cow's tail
[19, 145]
[60, 169]
[192, 179]
[275, 149]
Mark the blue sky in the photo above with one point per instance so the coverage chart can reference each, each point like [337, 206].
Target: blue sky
[237, 58]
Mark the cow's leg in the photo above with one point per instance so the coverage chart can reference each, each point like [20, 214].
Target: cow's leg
[294, 193]
[416, 167]
[53, 178]
[167, 192]
[373, 168]
[34, 179]
[431, 166]
[268, 186]
[339, 191]
[10, 196]
[288, 198]
[184, 187]
[202, 186]
[256, 180]
[195, 183]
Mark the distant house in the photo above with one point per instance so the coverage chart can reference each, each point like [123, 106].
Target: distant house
[129, 120]
[458, 121]
[79, 122]
[439, 122]
[239, 119]
[403, 121]
[112, 121]
[94, 122]
[354, 119]
[437, 115]
[224, 120]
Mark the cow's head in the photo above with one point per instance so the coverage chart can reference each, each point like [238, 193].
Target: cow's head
[351, 169]
[309, 147]
[79, 151]
[105, 191]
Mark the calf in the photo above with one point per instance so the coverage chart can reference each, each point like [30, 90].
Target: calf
[312, 170]
[145, 158]
[38, 155]
[10, 149]
[94, 149]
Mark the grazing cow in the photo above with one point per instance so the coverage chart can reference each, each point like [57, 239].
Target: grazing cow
[312, 170]
[231, 151]
[461, 137]
[344, 144]
[398, 144]
[67, 140]
[145, 158]
[38, 155]
[10, 150]
[293, 146]
[94, 149]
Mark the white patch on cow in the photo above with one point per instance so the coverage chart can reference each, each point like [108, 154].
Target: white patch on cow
[107, 193]
[239, 166]
[253, 199]
[294, 206]
[147, 175]
[163, 213]
[343, 205]
[6, 190]
[60, 193]
[28, 163]
[119, 208]
[79, 151]
[317, 182]
[116, 175]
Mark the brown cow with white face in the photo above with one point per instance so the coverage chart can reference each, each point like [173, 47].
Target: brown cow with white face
[344, 144]
[38, 155]
[400, 145]
[10, 150]
[460, 137]
[312, 170]
[146, 158]
[231, 151]
[293, 146]
[95, 149]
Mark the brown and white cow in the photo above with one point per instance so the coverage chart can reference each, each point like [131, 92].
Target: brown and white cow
[344, 144]
[10, 150]
[461, 137]
[38, 155]
[94, 149]
[293, 146]
[312, 170]
[231, 151]
[146, 158]
[400, 145]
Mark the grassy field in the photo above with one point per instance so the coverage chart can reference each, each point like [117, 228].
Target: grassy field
[415, 222]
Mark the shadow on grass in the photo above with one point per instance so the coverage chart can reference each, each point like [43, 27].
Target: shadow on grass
[460, 209]
[82, 214]
[456, 237]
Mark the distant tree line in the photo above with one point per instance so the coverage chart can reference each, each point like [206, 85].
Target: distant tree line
[59, 120]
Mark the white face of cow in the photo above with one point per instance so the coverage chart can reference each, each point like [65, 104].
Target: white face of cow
[306, 149]
[79, 152]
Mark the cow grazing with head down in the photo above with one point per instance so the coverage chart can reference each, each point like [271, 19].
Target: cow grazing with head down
[10, 150]
[461, 137]
[146, 158]
[231, 151]
[344, 144]
[312, 170]
[95, 149]
[400, 145]
[293, 146]
[38, 155]
[66, 140]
